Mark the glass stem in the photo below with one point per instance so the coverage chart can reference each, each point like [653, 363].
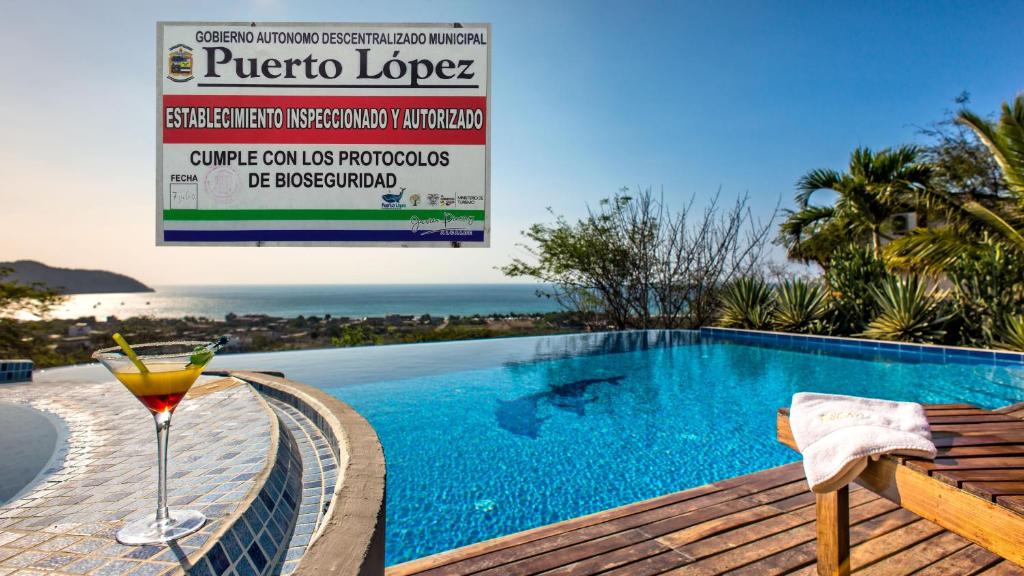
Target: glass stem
[163, 429]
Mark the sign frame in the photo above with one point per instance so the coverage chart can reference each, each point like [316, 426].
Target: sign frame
[159, 172]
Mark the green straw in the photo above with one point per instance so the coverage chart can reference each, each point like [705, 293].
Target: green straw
[130, 353]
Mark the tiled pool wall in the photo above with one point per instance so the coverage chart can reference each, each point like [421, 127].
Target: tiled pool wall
[256, 543]
[272, 534]
[15, 371]
[341, 522]
[320, 454]
[867, 349]
[320, 471]
[300, 404]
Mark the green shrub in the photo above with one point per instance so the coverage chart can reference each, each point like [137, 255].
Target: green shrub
[799, 307]
[852, 273]
[908, 311]
[988, 287]
[747, 303]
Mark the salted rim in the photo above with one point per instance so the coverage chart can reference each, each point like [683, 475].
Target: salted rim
[115, 352]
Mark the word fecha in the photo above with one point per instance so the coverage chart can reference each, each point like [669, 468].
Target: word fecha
[330, 68]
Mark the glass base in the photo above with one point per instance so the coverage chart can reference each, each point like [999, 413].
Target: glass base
[150, 531]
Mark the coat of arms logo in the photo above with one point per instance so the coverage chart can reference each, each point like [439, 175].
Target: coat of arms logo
[179, 63]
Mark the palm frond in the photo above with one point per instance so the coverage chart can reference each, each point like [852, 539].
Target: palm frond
[796, 222]
[1004, 140]
[811, 234]
[815, 180]
[927, 250]
[862, 163]
[997, 224]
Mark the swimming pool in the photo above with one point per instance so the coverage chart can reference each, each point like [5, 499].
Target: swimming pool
[485, 438]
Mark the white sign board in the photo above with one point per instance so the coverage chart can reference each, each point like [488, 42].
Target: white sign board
[305, 134]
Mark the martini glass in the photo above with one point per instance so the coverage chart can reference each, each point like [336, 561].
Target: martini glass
[159, 374]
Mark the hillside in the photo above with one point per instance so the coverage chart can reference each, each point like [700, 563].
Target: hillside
[73, 281]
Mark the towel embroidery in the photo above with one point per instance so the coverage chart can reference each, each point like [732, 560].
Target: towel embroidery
[844, 415]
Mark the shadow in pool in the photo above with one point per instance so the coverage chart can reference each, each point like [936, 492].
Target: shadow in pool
[521, 416]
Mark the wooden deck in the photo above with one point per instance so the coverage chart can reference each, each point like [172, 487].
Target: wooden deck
[758, 524]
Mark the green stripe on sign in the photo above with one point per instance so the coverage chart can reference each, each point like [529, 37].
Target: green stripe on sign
[193, 215]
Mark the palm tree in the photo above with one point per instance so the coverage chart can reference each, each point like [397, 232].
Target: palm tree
[1005, 140]
[974, 225]
[875, 186]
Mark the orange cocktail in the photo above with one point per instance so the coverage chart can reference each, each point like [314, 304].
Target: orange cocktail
[159, 375]
[162, 387]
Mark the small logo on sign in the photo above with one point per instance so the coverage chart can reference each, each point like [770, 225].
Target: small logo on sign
[393, 201]
[179, 63]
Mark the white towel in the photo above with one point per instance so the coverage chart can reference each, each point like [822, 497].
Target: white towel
[837, 435]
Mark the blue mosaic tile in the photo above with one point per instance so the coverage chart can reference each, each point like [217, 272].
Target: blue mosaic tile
[144, 552]
[245, 568]
[268, 544]
[230, 543]
[148, 569]
[906, 351]
[242, 531]
[218, 559]
[259, 510]
[201, 568]
[173, 554]
[259, 559]
[275, 531]
[267, 501]
[197, 539]
[1011, 357]
[116, 568]
[217, 510]
[84, 565]
[55, 561]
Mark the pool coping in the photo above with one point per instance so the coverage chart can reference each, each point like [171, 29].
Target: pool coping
[350, 540]
[898, 350]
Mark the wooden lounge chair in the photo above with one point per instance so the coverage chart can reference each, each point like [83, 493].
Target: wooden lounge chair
[974, 487]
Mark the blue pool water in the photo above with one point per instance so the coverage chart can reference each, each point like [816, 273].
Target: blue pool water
[486, 438]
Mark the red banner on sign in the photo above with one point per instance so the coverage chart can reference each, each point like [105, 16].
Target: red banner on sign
[233, 119]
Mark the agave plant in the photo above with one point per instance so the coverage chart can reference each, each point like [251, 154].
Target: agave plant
[1011, 333]
[908, 311]
[747, 303]
[799, 307]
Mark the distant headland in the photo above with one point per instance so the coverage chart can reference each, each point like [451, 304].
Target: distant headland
[73, 281]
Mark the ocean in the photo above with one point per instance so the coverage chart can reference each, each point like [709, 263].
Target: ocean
[289, 301]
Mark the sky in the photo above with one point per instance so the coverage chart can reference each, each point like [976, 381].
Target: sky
[586, 97]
